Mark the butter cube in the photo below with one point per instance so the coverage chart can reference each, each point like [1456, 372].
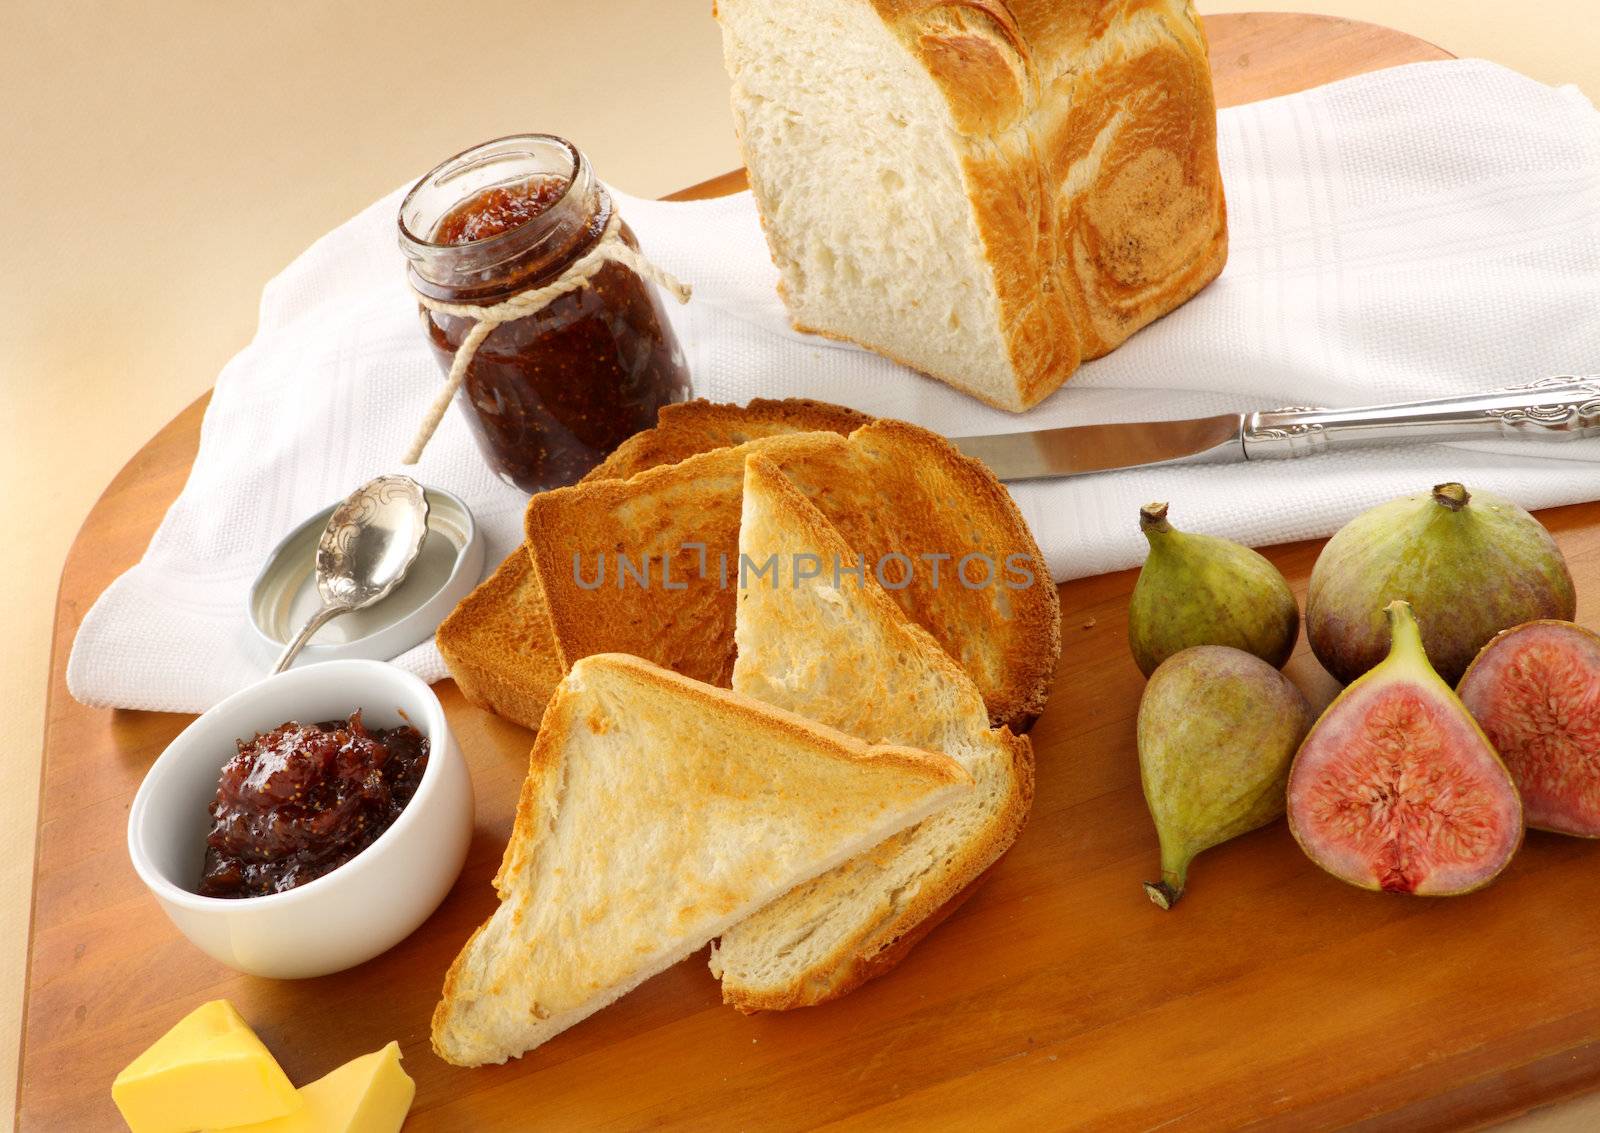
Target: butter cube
[208, 1070]
[370, 1094]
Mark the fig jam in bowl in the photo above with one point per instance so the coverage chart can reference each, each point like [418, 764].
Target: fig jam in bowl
[343, 819]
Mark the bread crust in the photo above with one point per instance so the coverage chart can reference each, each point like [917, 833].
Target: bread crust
[1017, 693]
[544, 755]
[692, 427]
[758, 717]
[695, 500]
[707, 425]
[1008, 404]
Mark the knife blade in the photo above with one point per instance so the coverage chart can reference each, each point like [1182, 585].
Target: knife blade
[1079, 449]
[1560, 408]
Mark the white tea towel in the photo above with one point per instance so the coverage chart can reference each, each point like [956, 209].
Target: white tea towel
[1423, 231]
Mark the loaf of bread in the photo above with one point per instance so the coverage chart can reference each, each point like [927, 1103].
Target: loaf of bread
[989, 191]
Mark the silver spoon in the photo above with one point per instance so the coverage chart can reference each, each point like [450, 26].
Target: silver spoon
[371, 540]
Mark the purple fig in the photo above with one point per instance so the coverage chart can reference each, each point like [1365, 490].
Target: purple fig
[1470, 565]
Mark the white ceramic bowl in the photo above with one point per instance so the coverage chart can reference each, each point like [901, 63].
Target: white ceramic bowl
[348, 915]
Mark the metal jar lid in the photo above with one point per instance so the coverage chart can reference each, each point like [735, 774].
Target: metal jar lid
[446, 569]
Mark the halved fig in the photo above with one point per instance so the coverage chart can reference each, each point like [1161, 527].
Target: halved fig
[1396, 788]
[1535, 691]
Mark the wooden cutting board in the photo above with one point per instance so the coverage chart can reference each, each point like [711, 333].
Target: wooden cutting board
[1058, 996]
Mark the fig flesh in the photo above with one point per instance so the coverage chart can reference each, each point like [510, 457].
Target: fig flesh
[1217, 729]
[1202, 590]
[1470, 564]
[1535, 692]
[1396, 788]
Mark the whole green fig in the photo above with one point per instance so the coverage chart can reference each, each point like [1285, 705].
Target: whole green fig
[1470, 564]
[1202, 590]
[1218, 729]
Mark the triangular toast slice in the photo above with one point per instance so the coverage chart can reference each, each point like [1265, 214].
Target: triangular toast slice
[658, 812]
[836, 648]
[498, 642]
[891, 489]
[649, 565]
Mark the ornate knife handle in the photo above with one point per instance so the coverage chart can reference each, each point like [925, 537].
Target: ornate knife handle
[1555, 409]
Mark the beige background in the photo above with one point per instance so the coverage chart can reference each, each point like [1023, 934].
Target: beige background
[164, 159]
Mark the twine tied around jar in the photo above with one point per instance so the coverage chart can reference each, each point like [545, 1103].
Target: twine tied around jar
[610, 248]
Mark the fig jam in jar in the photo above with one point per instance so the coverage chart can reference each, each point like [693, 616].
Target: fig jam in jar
[550, 394]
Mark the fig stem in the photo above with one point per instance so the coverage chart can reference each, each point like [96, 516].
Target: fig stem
[1164, 895]
[1153, 518]
[1452, 496]
[1404, 633]
[1174, 873]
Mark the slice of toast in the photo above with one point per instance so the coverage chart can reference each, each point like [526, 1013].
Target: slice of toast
[649, 565]
[911, 491]
[835, 647]
[498, 643]
[657, 812]
[892, 489]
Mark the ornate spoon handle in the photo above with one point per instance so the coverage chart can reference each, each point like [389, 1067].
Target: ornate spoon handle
[317, 620]
[1555, 409]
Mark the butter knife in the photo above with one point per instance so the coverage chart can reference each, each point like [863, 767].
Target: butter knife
[1554, 409]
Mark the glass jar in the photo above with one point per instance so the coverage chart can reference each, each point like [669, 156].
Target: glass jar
[550, 394]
